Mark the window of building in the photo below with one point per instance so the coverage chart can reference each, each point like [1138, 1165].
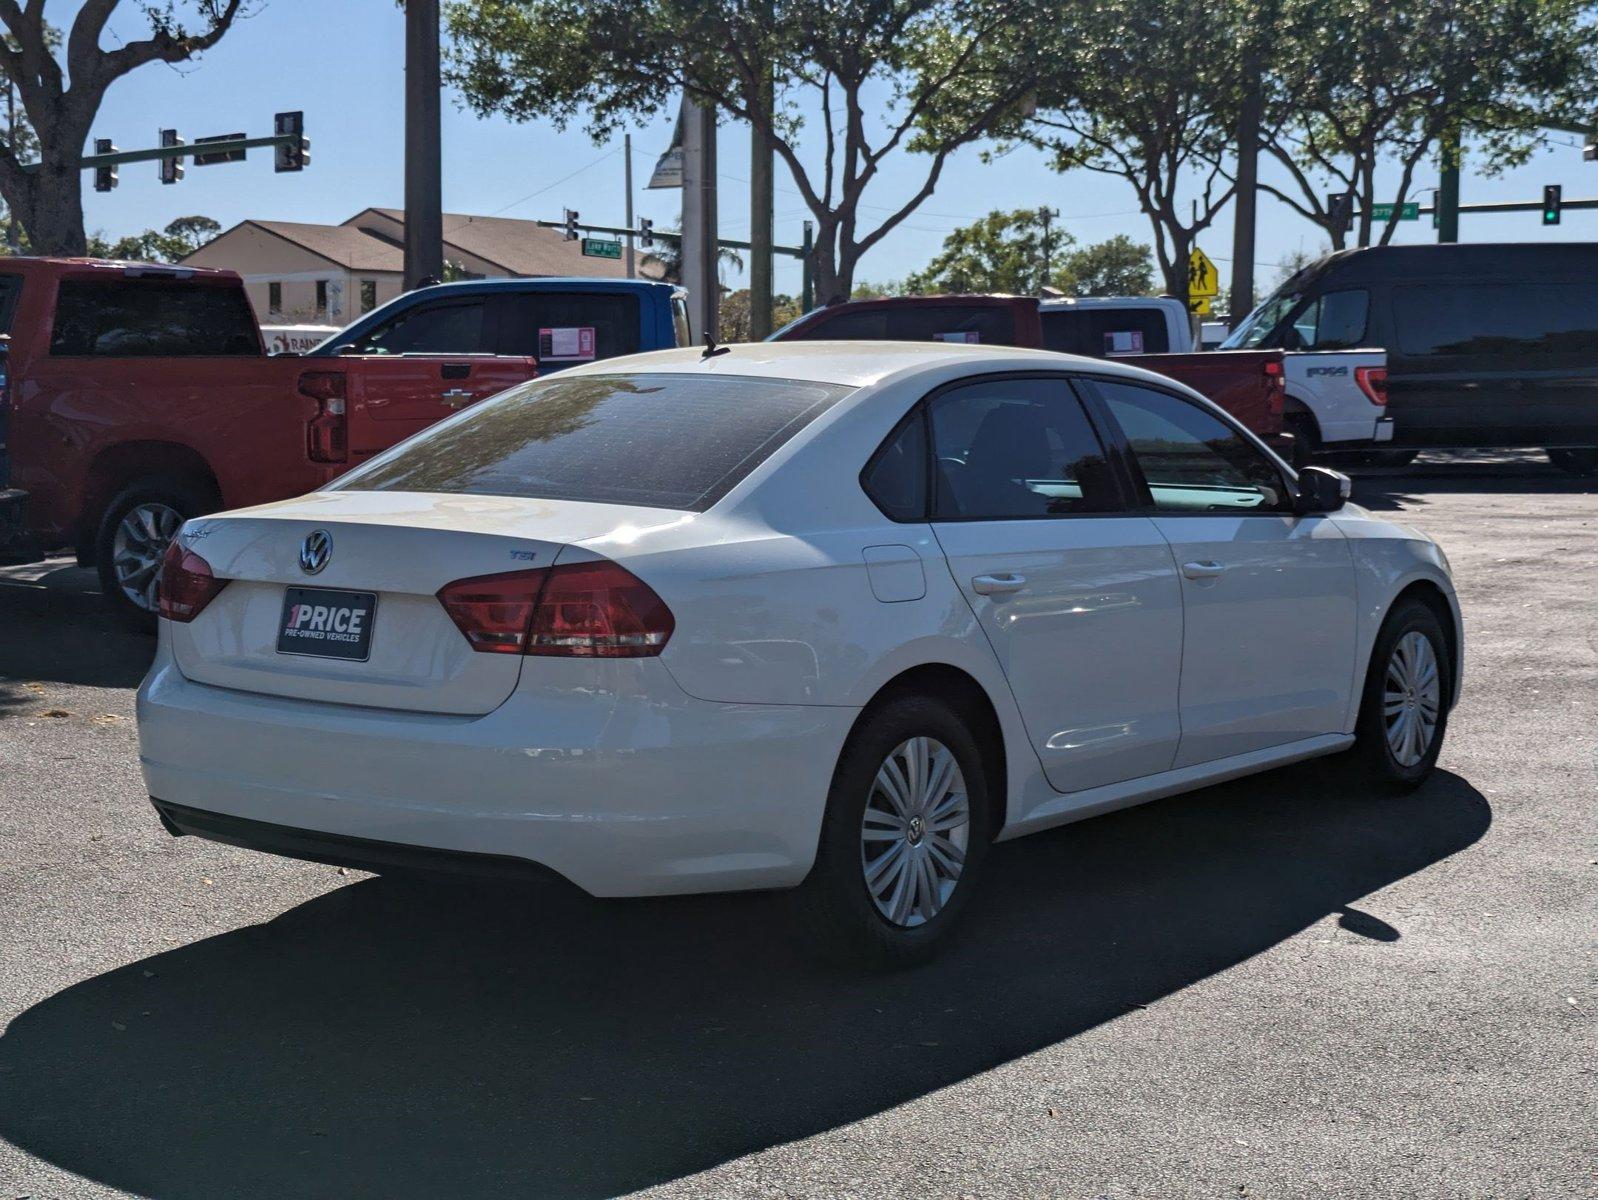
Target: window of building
[368, 295]
[274, 297]
[321, 297]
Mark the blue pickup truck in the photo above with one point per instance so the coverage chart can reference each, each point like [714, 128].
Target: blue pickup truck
[560, 322]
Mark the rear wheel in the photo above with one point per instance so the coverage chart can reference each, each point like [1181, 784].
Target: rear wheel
[1404, 711]
[1575, 460]
[135, 531]
[904, 838]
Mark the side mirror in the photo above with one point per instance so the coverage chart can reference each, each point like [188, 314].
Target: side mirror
[1321, 490]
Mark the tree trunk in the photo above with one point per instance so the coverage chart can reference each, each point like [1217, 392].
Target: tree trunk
[51, 208]
[834, 278]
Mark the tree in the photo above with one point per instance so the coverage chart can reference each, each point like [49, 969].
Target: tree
[61, 99]
[1360, 84]
[1117, 266]
[1004, 252]
[1015, 252]
[924, 76]
[179, 239]
[667, 261]
[736, 313]
[1152, 91]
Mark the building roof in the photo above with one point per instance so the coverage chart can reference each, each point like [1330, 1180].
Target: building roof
[518, 247]
[343, 244]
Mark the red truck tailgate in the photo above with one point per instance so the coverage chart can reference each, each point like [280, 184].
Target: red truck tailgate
[1248, 384]
[392, 397]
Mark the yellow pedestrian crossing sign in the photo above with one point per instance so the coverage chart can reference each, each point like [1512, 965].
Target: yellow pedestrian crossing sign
[1203, 281]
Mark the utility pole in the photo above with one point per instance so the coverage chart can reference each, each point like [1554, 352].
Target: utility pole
[1244, 219]
[1047, 215]
[424, 216]
[700, 253]
[627, 152]
[807, 289]
[13, 230]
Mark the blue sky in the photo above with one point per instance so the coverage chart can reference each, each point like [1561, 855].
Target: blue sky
[342, 63]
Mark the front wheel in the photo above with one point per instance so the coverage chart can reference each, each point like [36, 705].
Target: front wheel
[135, 531]
[903, 840]
[1575, 460]
[1403, 713]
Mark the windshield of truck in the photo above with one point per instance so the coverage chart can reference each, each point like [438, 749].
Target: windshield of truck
[130, 317]
[1263, 319]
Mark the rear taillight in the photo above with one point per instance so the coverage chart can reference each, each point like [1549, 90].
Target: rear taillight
[1373, 382]
[576, 610]
[1275, 389]
[326, 436]
[187, 584]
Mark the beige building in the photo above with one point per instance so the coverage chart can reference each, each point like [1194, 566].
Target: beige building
[298, 272]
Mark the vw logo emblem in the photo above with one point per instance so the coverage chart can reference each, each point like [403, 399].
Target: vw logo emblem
[315, 551]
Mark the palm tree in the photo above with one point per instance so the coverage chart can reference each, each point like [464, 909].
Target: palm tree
[667, 260]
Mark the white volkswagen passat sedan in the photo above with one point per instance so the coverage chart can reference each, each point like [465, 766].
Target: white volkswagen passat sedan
[832, 617]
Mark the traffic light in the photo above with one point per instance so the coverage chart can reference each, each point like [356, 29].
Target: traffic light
[294, 155]
[171, 168]
[105, 178]
[1340, 210]
[1553, 195]
[571, 224]
[646, 232]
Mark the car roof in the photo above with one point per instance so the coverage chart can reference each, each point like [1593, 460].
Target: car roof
[857, 363]
[1055, 304]
[545, 283]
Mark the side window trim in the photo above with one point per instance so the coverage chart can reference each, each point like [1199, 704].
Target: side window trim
[1134, 470]
[1126, 494]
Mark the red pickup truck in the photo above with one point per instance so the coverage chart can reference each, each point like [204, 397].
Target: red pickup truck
[136, 396]
[1249, 384]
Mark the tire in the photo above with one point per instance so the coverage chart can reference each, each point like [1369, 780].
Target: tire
[1387, 762]
[1306, 438]
[136, 527]
[892, 925]
[1575, 460]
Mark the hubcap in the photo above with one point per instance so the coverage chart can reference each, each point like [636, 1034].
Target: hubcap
[915, 831]
[1412, 698]
[137, 547]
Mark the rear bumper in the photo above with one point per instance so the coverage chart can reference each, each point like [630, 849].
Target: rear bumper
[14, 538]
[625, 787]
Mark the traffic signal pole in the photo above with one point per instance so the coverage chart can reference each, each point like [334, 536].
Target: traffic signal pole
[1448, 189]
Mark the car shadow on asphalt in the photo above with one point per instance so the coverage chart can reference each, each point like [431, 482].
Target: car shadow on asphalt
[1504, 473]
[400, 1038]
[89, 649]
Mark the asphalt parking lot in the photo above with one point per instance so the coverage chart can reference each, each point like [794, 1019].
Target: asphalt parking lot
[1275, 988]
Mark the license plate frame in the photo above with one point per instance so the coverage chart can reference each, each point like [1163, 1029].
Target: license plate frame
[309, 637]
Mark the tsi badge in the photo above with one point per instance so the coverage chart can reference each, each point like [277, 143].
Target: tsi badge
[315, 551]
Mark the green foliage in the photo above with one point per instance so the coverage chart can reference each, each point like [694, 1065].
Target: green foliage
[665, 262]
[179, 239]
[1005, 252]
[1357, 85]
[736, 312]
[925, 76]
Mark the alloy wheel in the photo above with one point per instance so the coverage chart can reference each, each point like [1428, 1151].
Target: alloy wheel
[140, 542]
[1411, 698]
[915, 832]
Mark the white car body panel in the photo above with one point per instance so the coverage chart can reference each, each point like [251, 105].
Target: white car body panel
[1323, 383]
[796, 601]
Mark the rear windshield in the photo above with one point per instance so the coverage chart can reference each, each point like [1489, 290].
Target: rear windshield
[987, 324]
[1106, 332]
[563, 329]
[662, 441]
[140, 318]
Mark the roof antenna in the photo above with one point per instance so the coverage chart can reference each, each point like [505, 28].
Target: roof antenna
[711, 349]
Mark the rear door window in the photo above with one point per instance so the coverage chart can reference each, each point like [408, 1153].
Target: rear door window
[439, 327]
[1435, 319]
[663, 441]
[566, 328]
[140, 318]
[1105, 332]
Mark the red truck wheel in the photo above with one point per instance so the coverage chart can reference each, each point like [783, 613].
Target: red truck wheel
[134, 533]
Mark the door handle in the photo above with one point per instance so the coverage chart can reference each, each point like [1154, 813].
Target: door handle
[997, 585]
[455, 397]
[1202, 570]
[455, 370]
